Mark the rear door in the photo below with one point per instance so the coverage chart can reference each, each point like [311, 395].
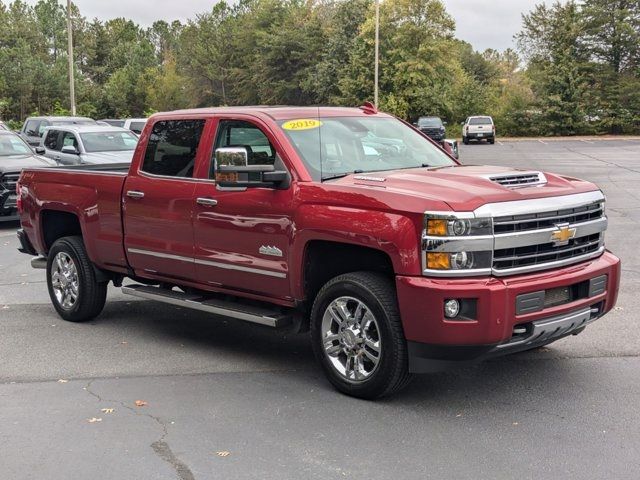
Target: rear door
[242, 235]
[158, 202]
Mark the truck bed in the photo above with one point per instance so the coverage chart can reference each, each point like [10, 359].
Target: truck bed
[92, 193]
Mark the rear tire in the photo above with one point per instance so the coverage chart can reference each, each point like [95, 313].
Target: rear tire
[357, 335]
[465, 140]
[492, 141]
[75, 292]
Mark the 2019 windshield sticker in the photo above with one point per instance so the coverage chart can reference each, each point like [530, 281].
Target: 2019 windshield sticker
[301, 124]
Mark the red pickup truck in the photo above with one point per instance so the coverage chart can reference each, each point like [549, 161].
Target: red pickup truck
[346, 222]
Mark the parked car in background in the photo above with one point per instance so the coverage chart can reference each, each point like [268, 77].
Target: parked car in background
[136, 125]
[76, 144]
[479, 128]
[433, 127]
[33, 127]
[15, 155]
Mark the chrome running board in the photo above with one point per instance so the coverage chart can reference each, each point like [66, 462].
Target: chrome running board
[249, 313]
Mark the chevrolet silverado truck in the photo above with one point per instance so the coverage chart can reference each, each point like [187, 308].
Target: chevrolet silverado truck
[344, 222]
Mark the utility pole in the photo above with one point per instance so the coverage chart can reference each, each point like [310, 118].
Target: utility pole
[72, 89]
[377, 54]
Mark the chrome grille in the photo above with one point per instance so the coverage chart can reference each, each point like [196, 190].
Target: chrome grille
[508, 258]
[520, 179]
[537, 221]
[9, 181]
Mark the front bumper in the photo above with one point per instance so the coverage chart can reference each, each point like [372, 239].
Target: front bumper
[436, 342]
[8, 210]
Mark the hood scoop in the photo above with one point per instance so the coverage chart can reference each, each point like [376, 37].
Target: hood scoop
[520, 179]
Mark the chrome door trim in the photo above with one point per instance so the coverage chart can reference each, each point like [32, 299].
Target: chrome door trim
[225, 266]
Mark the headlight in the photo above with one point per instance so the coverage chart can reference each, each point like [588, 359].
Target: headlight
[444, 227]
[457, 244]
[458, 261]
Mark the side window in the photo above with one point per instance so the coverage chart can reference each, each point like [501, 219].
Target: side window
[51, 140]
[69, 140]
[238, 133]
[32, 128]
[172, 147]
[137, 127]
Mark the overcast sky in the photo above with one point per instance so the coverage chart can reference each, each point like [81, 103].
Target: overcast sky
[483, 23]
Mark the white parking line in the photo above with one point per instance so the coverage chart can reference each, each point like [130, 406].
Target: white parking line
[585, 141]
[500, 143]
[544, 143]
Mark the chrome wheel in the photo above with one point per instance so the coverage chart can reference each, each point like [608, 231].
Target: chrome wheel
[64, 280]
[351, 339]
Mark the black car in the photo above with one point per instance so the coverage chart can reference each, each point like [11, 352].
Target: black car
[15, 155]
[433, 127]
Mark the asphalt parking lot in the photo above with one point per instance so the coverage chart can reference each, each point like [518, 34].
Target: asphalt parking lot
[209, 386]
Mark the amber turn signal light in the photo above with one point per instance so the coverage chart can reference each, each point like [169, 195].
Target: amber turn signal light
[438, 261]
[437, 227]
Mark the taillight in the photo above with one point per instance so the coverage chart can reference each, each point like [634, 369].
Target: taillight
[18, 196]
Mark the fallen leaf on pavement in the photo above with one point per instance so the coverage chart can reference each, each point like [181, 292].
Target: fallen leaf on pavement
[224, 453]
[62, 380]
[94, 420]
[107, 410]
[140, 403]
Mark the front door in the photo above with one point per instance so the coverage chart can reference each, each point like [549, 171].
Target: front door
[158, 202]
[242, 236]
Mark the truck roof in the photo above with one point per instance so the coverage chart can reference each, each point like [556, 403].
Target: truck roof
[88, 128]
[277, 112]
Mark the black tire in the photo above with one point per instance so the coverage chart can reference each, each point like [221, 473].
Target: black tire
[465, 140]
[91, 294]
[492, 141]
[377, 292]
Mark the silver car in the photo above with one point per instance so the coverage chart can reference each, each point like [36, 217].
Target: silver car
[77, 144]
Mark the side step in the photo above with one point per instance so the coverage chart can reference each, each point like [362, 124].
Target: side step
[249, 313]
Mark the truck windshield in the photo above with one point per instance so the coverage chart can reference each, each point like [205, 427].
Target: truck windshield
[430, 122]
[334, 146]
[13, 145]
[108, 141]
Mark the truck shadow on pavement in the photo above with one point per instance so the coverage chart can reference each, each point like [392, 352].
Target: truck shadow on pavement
[217, 345]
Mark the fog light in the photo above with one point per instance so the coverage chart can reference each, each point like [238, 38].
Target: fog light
[451, 308]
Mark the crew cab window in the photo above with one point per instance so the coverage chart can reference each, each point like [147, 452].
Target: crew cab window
[51, 140]
[32, 128]
[172, 147]
[137, 127]
[69, 140]
[238, 133]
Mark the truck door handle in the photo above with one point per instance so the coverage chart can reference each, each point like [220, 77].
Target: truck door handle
[206, 202]
[135, 194]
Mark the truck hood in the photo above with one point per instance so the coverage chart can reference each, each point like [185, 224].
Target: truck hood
[108, 157]
[464, 187]
[15, 163]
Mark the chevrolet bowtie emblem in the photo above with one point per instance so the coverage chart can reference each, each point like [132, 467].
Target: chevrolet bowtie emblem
[562, 234]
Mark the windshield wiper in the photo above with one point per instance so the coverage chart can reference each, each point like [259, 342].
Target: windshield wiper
[341, 175]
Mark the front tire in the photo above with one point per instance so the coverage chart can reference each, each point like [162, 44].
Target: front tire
[357, 335]
[465, 140]
[75, 292]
